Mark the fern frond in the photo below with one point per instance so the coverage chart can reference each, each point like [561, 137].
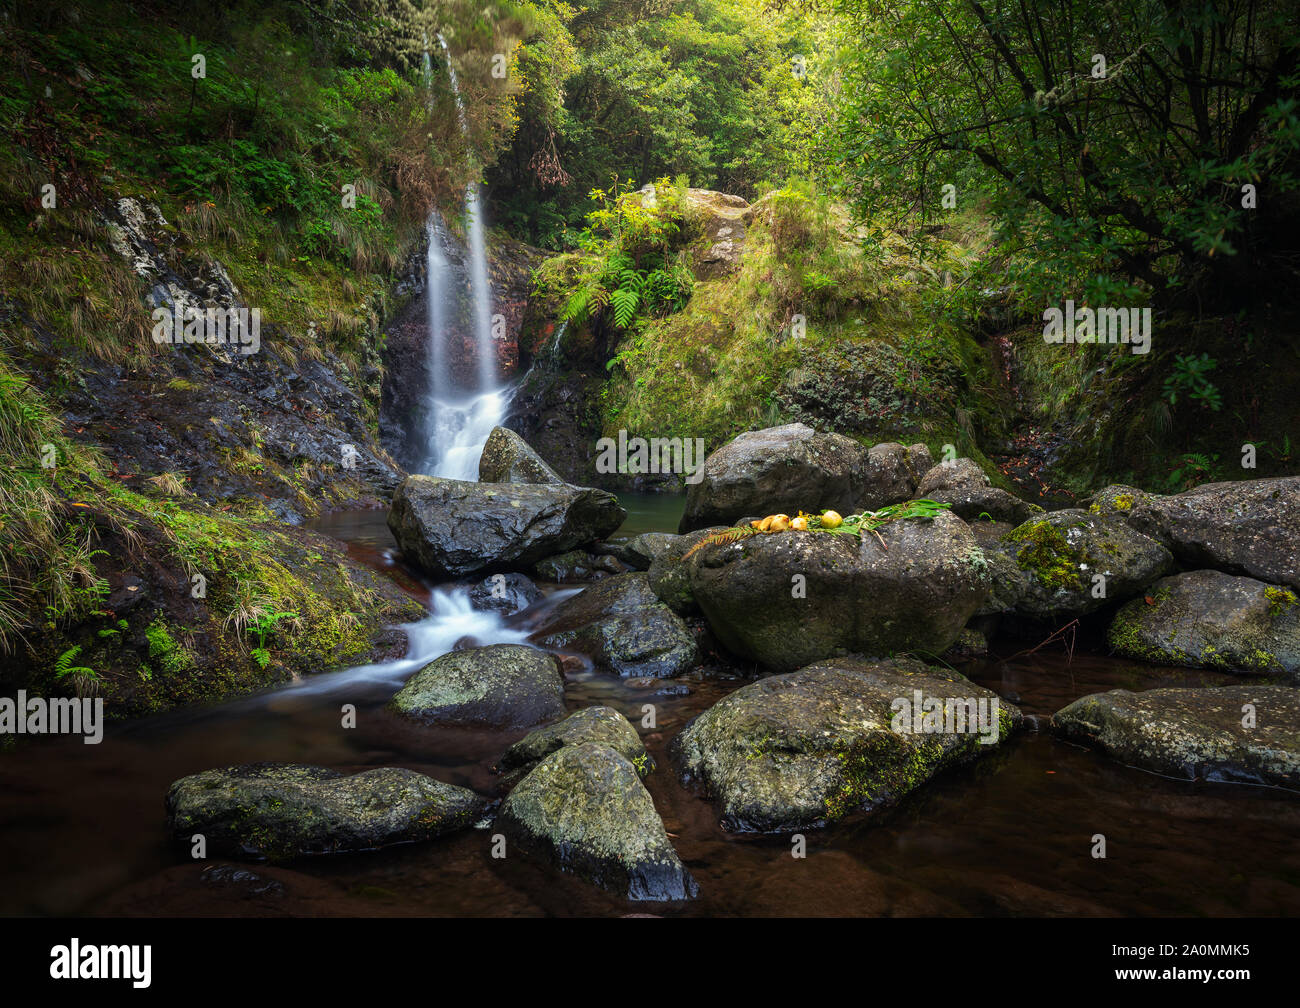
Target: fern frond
[719, 538]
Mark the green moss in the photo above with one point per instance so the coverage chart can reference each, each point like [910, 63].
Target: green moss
[1046, 551]
[1279, 599]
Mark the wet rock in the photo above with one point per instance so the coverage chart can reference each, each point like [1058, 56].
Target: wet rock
[641, 551]
[1196, 734]
[893, 473]
[507, 458]
[1250, 528]
[806, 748]
[585, 810]
[504, 593]
[576, 565]
[277, 811]
[498, 686]
[623, 627]
[962, 484]
[669, 574]
[780, 469]
[1060, 556]
[598, 725]
[854, 596]
[1208, 619]
[451, 528]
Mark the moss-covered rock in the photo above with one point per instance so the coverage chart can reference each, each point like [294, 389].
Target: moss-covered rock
[1230, 733]
[669, 574]
[1208, 619]
[792, 598]
[806, 748]
[280, 811]
[1074, 562]
[599, 725]
[507, 458]
[585, 810]
[499, 686]
[1118, 499]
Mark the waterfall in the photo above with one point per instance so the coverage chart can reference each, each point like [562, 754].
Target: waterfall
[458, 420]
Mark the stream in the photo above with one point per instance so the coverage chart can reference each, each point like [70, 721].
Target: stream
[83, 831]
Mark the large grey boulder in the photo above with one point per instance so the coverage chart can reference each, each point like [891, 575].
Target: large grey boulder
[507, 458]
[1250, 528]
[893, 473]
[806, 748]
[278, 811]
[1072, 562]
[790, 598]
[451, 528]
[500, 686]
[1208, 619]
[584, 810]
[1229, 733]
[623, 627]
[780, 469]
[962, 483]
[600, 725]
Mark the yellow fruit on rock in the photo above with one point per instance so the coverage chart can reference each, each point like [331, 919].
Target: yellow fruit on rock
[831, 519]
[780, 523]
[765, 525]
[799, 524]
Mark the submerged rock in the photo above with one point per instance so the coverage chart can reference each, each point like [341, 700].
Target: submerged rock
[600, 725]
[792, 598]
[1073, 562]
[507, 458]
[499, 686]
[1208, 619]
[576, 565]
[623, 627]
[277, 811]
[451, 528]
[585, 810]
[1250, 528]
[962, 484]
[778, 469]
[806, 748]
[1230, 733]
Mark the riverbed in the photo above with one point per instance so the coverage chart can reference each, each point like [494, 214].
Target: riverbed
[82, 828]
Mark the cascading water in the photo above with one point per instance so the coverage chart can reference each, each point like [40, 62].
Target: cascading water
[459, 420]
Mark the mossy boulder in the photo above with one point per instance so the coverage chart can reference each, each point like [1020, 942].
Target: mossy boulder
[599, 725]
[274, 811]
[779, 469]
[1251, 527]
[1230, 733]
[1118, 499]
[1074, 562]
[806, 748]
[501, 686]
[790, 598]
[1208, 619]
[451, 528]
[641, 551]
[507, 458]
[622, 626]
[963, 484]
[584, 810]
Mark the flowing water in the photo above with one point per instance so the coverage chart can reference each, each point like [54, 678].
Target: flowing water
[82, 829]
[459, 419]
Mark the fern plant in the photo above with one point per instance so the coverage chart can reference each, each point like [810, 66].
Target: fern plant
[85, 680]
